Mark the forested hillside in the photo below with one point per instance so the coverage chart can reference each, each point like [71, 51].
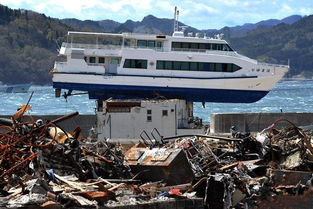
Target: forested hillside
[28, 45]
[280, 43]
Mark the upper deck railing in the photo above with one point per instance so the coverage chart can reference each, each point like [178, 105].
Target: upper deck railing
[91, 46]
[161, 49]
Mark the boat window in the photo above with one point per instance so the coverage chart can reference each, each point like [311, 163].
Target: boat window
[208, 46]
[197, 66]
[141, 43]
[159, 44]
[214, 47]
[201, 66]
[218, 67]
[160, 65]
[168, 65]
[224, 67]
[164, 113]
[92, 59]
[229, 48]
[184, 65]
[115, 61]
[127, 42]
[135, 64]
[193, 66]
[202, 46]
[176, 45]
[176, 65]
[101, 60]
[85, 58]
[212, 67]
[194, 45]
[235, 67]
[226, 47]
[185, 45]
[206, 67]
[268, 70]
[151, 44]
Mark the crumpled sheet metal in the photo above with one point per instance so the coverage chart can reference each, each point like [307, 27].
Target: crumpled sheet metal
[289, 177]
[167, 164]
[301, 201]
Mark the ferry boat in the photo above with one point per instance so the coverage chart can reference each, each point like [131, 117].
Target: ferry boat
[143, 66]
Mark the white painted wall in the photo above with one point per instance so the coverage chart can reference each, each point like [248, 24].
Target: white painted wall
[129, 125]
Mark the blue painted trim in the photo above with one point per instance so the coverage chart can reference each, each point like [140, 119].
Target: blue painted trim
[103, 91]
[161, 76]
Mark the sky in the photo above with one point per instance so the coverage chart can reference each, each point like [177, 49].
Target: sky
[201, 14]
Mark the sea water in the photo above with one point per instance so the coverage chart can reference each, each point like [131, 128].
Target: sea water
[287, 96]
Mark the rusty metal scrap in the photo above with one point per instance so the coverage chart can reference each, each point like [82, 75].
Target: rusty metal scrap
[42, 164]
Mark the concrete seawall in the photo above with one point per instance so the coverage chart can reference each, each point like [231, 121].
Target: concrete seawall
[255, 122]
[84, 121]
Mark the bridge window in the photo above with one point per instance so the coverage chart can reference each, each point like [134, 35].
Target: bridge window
[145, 43]
[197, 66]
[130, 63]
[101, 60]
[159, 44]
[92, 59]
[151, 44]
[208, 46]
[141, 43]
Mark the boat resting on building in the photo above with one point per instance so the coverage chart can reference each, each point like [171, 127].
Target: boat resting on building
[145, 66]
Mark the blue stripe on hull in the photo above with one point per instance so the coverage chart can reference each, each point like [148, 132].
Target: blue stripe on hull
[102, 91]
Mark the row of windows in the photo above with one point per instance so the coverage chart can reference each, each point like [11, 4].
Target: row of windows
[149, 43]
[149, 114]
[100, 60]
[129, 63]
[263, 70]
[205, 46]
[197, 66]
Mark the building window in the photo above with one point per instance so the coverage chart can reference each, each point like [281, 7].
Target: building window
[101, 60]
[92, 59]
[149, 115]
[129, 63]
[164, 113]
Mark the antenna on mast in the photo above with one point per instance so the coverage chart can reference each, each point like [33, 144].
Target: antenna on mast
[176, 14]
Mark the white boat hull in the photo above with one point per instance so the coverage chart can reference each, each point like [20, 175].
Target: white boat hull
[231, 89]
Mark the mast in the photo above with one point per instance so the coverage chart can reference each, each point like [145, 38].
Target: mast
[176, 14]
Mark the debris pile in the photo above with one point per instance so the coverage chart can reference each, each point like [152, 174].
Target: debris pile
[43, 165]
